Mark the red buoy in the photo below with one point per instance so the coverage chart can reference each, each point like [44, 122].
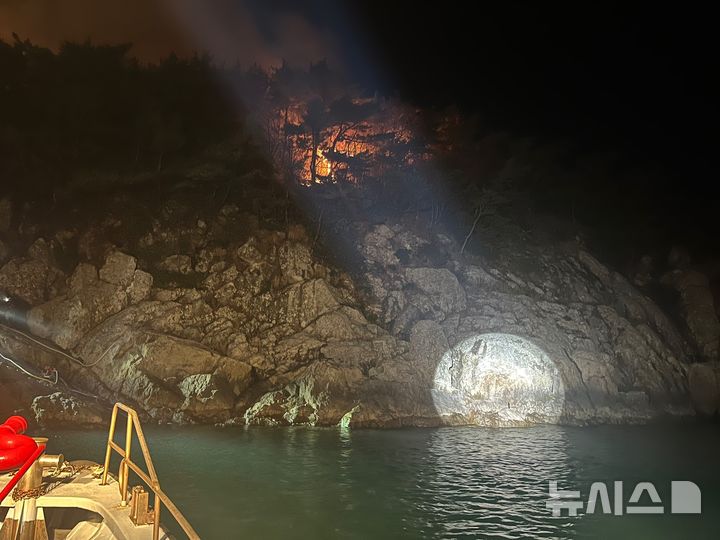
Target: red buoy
[15, 448]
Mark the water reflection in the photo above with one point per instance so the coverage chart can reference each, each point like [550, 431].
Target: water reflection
[345, 468]
[417, 483]
[489, 483]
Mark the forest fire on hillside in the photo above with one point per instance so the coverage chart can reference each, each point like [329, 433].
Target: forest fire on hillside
[320, 129]
[343, 141]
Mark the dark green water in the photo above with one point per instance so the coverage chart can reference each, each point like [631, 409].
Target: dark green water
[285, 483]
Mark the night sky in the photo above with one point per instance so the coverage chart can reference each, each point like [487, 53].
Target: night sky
[635, 78]
[604, 75]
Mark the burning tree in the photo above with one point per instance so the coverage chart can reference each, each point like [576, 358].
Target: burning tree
[348, 139]
[320, 130]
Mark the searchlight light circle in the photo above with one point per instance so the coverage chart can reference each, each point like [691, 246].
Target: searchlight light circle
[497, 380]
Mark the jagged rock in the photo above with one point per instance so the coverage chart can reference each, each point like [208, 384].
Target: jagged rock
[59, 409]
[92, 297]
[32, 280]
[167, 377]
[377, 247]
[238, 346]
[118, 269]
[296, 404]
[296, 262]
[250, 253]
[65, 320]
[206, 397]
[698, 310]
[269, 335]
[168, 295]
[140, 287]
[555, 303]
[84, 276]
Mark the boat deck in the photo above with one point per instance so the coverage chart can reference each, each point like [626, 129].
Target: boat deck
[83, 490]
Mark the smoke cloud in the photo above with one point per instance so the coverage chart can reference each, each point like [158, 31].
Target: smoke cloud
[243, 31]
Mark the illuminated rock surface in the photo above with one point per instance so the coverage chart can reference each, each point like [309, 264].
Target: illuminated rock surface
[60, 409]
[193, 324]
[498, 379]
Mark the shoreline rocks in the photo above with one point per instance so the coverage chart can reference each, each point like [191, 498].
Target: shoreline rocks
[261, 331]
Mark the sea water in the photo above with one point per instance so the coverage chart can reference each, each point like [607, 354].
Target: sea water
[318, 483]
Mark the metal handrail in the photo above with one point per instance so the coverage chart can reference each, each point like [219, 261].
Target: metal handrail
[150, 478]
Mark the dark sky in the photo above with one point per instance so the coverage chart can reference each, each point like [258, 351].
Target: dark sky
[639, 77]
[603, 74]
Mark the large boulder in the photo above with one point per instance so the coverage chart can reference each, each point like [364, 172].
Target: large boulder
[91, 298]
[62, 410]
[118, 269]
[168, 377]
[32, 280]
[167, 358]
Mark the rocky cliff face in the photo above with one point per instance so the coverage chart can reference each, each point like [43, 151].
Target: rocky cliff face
[190, 324]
